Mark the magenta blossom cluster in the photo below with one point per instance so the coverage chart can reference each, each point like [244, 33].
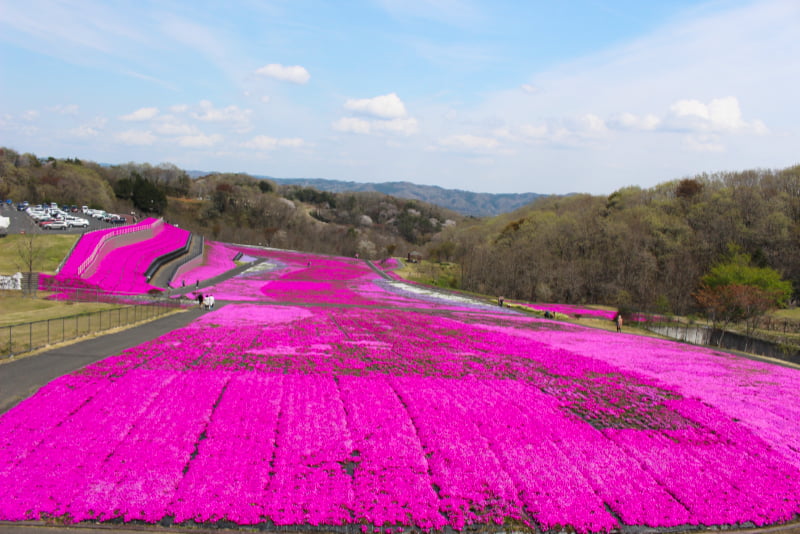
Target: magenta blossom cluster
[116, 260]
[330, 396]
[335, 415]
[217, 259]
[300, 278]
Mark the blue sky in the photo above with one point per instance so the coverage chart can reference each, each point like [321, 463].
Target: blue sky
[496, 96]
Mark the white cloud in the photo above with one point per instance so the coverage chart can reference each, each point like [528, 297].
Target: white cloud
[470, 143]
[84, 131]
[70, 109]
[631, 121]
[264, 99]
[406, 126]
[170, 125]
[720, 115]
[352, 125]
[704, 143]
[383, 107]
[90, 129]
[238, 117]
[179, 108]
[30, 115]
[566, 131]
[141, 114]
[136, 137]
[530, 89]
[534, 131]
[265, 142]
[291, 142]
[294, 74]
[199, 140]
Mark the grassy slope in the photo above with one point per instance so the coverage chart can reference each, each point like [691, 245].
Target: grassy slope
[53, 249]
[17, 309]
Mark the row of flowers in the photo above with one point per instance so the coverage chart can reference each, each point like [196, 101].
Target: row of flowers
[119, 268]
[217, 259]
[302, 278]
[333, 416]
[359, 400]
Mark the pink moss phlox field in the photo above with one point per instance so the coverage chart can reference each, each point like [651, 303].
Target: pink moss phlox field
[218, 259]
[121, 268]
[329, 416]
[299, 278]
[329, 395]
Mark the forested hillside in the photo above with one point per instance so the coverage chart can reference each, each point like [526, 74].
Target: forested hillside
[639, 248]
[230, 207]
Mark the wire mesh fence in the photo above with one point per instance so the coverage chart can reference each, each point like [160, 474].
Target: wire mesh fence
[779, 336]
[26, 337]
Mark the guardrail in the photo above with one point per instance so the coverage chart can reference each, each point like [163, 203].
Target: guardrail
[111, 238]
[26, 337]
[167, 257]
[779, 346]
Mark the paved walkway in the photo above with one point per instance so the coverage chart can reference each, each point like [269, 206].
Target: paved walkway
[22, 378]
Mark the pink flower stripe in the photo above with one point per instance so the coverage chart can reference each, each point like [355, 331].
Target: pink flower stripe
[218, 259]
[122, 269]
[92, 243]
[327, 416]
[299, 278]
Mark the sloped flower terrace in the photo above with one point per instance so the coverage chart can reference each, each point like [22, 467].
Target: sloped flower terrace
[318, 397]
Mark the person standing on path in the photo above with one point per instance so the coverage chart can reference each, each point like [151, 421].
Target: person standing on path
[618, 320]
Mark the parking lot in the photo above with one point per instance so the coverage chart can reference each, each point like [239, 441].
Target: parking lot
[21, 222]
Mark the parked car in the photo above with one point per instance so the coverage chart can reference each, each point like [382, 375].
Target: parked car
[54, 225]
[117, 219]
[77, 222]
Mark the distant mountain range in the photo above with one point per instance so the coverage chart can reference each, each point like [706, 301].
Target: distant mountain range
[464, 202]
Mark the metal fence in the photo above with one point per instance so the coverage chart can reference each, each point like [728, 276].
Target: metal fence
[26, 337]
[781, 344]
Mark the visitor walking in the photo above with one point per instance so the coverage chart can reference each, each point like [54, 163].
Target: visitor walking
[618, 321]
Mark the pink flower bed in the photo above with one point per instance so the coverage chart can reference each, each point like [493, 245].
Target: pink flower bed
[299, 278]
[123, 269]
[386, 418]
[218, 259]
[89, 244]
[114, 266]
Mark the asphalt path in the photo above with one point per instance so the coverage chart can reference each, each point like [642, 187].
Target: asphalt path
[19, 379]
